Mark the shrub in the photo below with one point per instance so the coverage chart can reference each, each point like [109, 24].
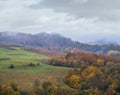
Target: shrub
[11, 66]
[38, 64]
[31, 64]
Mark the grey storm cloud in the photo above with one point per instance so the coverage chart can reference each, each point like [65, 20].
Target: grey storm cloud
[105, 9]
[82, 20]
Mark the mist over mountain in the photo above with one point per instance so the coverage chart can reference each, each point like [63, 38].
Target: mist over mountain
[103, 42]
[52, 41]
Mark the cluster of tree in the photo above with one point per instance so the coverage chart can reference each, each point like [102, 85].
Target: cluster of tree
[9, 89]
[113, 53]
[94, 81]
[94, 74]
[81, 59]
[49, 87]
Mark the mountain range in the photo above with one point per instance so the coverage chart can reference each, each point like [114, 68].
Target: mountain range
[53, 41]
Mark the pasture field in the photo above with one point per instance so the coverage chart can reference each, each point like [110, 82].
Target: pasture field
[23, 73]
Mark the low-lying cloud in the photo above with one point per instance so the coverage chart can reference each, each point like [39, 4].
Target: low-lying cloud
[82, 20]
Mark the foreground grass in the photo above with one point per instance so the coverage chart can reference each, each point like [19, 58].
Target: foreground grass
[26, 78]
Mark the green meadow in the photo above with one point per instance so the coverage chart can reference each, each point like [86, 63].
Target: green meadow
[23, 74]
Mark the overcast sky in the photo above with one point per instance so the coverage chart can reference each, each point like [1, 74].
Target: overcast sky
[82, 20]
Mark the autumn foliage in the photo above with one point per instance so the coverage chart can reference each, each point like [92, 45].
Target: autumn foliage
[93, 74]
[81, 59]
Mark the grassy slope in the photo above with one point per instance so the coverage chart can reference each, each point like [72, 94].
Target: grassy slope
[17, 57]
[25, 76]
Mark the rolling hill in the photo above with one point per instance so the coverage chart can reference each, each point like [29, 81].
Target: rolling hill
[27, 67]
[53, 42]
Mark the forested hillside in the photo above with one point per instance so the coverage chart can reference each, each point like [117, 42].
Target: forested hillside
[94, 74]
[55, 42]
